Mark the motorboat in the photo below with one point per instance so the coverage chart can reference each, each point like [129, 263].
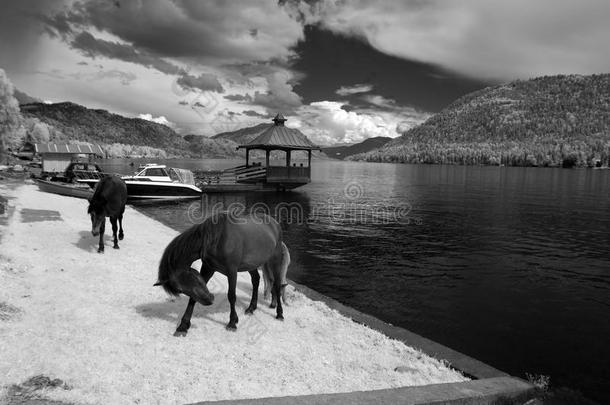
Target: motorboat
[63, 188]
[155, 181]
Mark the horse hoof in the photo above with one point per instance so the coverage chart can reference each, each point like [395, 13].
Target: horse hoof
[250, 311]
[271, 305]
[280, 317]
[120, 237]
[232, 328]
[116, 247]
[100, 251]
[180, 333]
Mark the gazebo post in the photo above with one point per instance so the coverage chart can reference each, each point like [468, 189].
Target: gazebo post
[309, 158]
[247, 156]
[267, 151]
[288, 158]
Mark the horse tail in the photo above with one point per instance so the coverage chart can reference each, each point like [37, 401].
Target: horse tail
[269, 277]
[284, 269]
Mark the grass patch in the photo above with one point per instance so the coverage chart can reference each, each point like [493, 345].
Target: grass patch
[29, 391]
[7, 311]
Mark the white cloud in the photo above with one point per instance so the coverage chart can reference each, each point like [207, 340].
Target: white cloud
[327, 123]
[355, 89]
[480, 38]
[159, 120]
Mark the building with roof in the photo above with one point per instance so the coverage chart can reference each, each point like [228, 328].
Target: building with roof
[56, 157]
[254, 176]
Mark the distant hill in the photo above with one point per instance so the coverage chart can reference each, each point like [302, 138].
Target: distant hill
[73, 122]
[341, 152]
[243, 135]
[24, 98]
[547, 121]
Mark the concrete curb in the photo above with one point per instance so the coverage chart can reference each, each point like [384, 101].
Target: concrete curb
[488, 385]
[476, 392]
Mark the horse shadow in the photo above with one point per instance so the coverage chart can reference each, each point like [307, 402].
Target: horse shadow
[171, 310]
[89, 243]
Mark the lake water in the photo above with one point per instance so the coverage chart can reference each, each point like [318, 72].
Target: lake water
[508, 265]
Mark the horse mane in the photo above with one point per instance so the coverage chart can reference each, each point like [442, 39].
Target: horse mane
[202, 238]
[97, 201]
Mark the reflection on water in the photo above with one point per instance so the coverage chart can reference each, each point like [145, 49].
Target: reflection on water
[509, 265]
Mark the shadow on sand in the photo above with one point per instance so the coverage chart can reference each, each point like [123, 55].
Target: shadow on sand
[88, 242]
[172, 310]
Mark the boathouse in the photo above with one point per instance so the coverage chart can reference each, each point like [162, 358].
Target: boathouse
[291, 173]
[56, 157]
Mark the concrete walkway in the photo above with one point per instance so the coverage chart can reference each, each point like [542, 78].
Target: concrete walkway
[489, 385]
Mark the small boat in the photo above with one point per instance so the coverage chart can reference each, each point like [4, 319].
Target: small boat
[70, 189]
[155, 181]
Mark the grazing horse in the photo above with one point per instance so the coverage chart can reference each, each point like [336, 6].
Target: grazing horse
[108, 200]
[228, 244]
[268, 278]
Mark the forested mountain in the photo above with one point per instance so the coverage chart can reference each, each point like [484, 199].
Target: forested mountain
[243, 135]
[343, 151]
[121, 135]
[547, 121]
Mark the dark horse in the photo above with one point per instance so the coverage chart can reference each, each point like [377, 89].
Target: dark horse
[228, 244]
[108, 200]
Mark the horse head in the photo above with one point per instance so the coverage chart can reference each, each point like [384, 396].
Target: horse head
[97, 214]
[189, 283]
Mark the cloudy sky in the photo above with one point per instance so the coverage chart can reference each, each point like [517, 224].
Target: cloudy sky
[340, 70]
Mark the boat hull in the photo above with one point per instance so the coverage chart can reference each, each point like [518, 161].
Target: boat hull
[153, 190]
[66, 189]
[137, 190]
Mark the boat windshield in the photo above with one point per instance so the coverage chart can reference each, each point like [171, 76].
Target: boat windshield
[182, 176]
[155, 172]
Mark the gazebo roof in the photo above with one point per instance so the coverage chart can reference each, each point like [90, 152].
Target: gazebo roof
[278, 136]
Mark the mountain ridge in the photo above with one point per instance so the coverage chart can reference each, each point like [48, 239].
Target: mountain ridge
[344, 151]
[547, 121]
[69, 121]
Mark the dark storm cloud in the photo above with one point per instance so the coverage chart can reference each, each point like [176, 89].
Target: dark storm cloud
[204, 82]
[252, 113]
[351, 64]
[92, 47]
[280, 96]
[479, 38]
[20, 29]
[238, 97]
[220, 32]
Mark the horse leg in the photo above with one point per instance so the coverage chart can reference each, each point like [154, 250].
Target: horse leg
[114, 229]
[121, 235]
[185, 323]
[276, 293]
[233, 319]
[255, 282]
[100, 248]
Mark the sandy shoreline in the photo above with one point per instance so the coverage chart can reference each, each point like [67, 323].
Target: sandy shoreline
[95, 322]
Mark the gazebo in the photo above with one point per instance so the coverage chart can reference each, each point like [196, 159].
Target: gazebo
[255, 176]
[279, 137]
